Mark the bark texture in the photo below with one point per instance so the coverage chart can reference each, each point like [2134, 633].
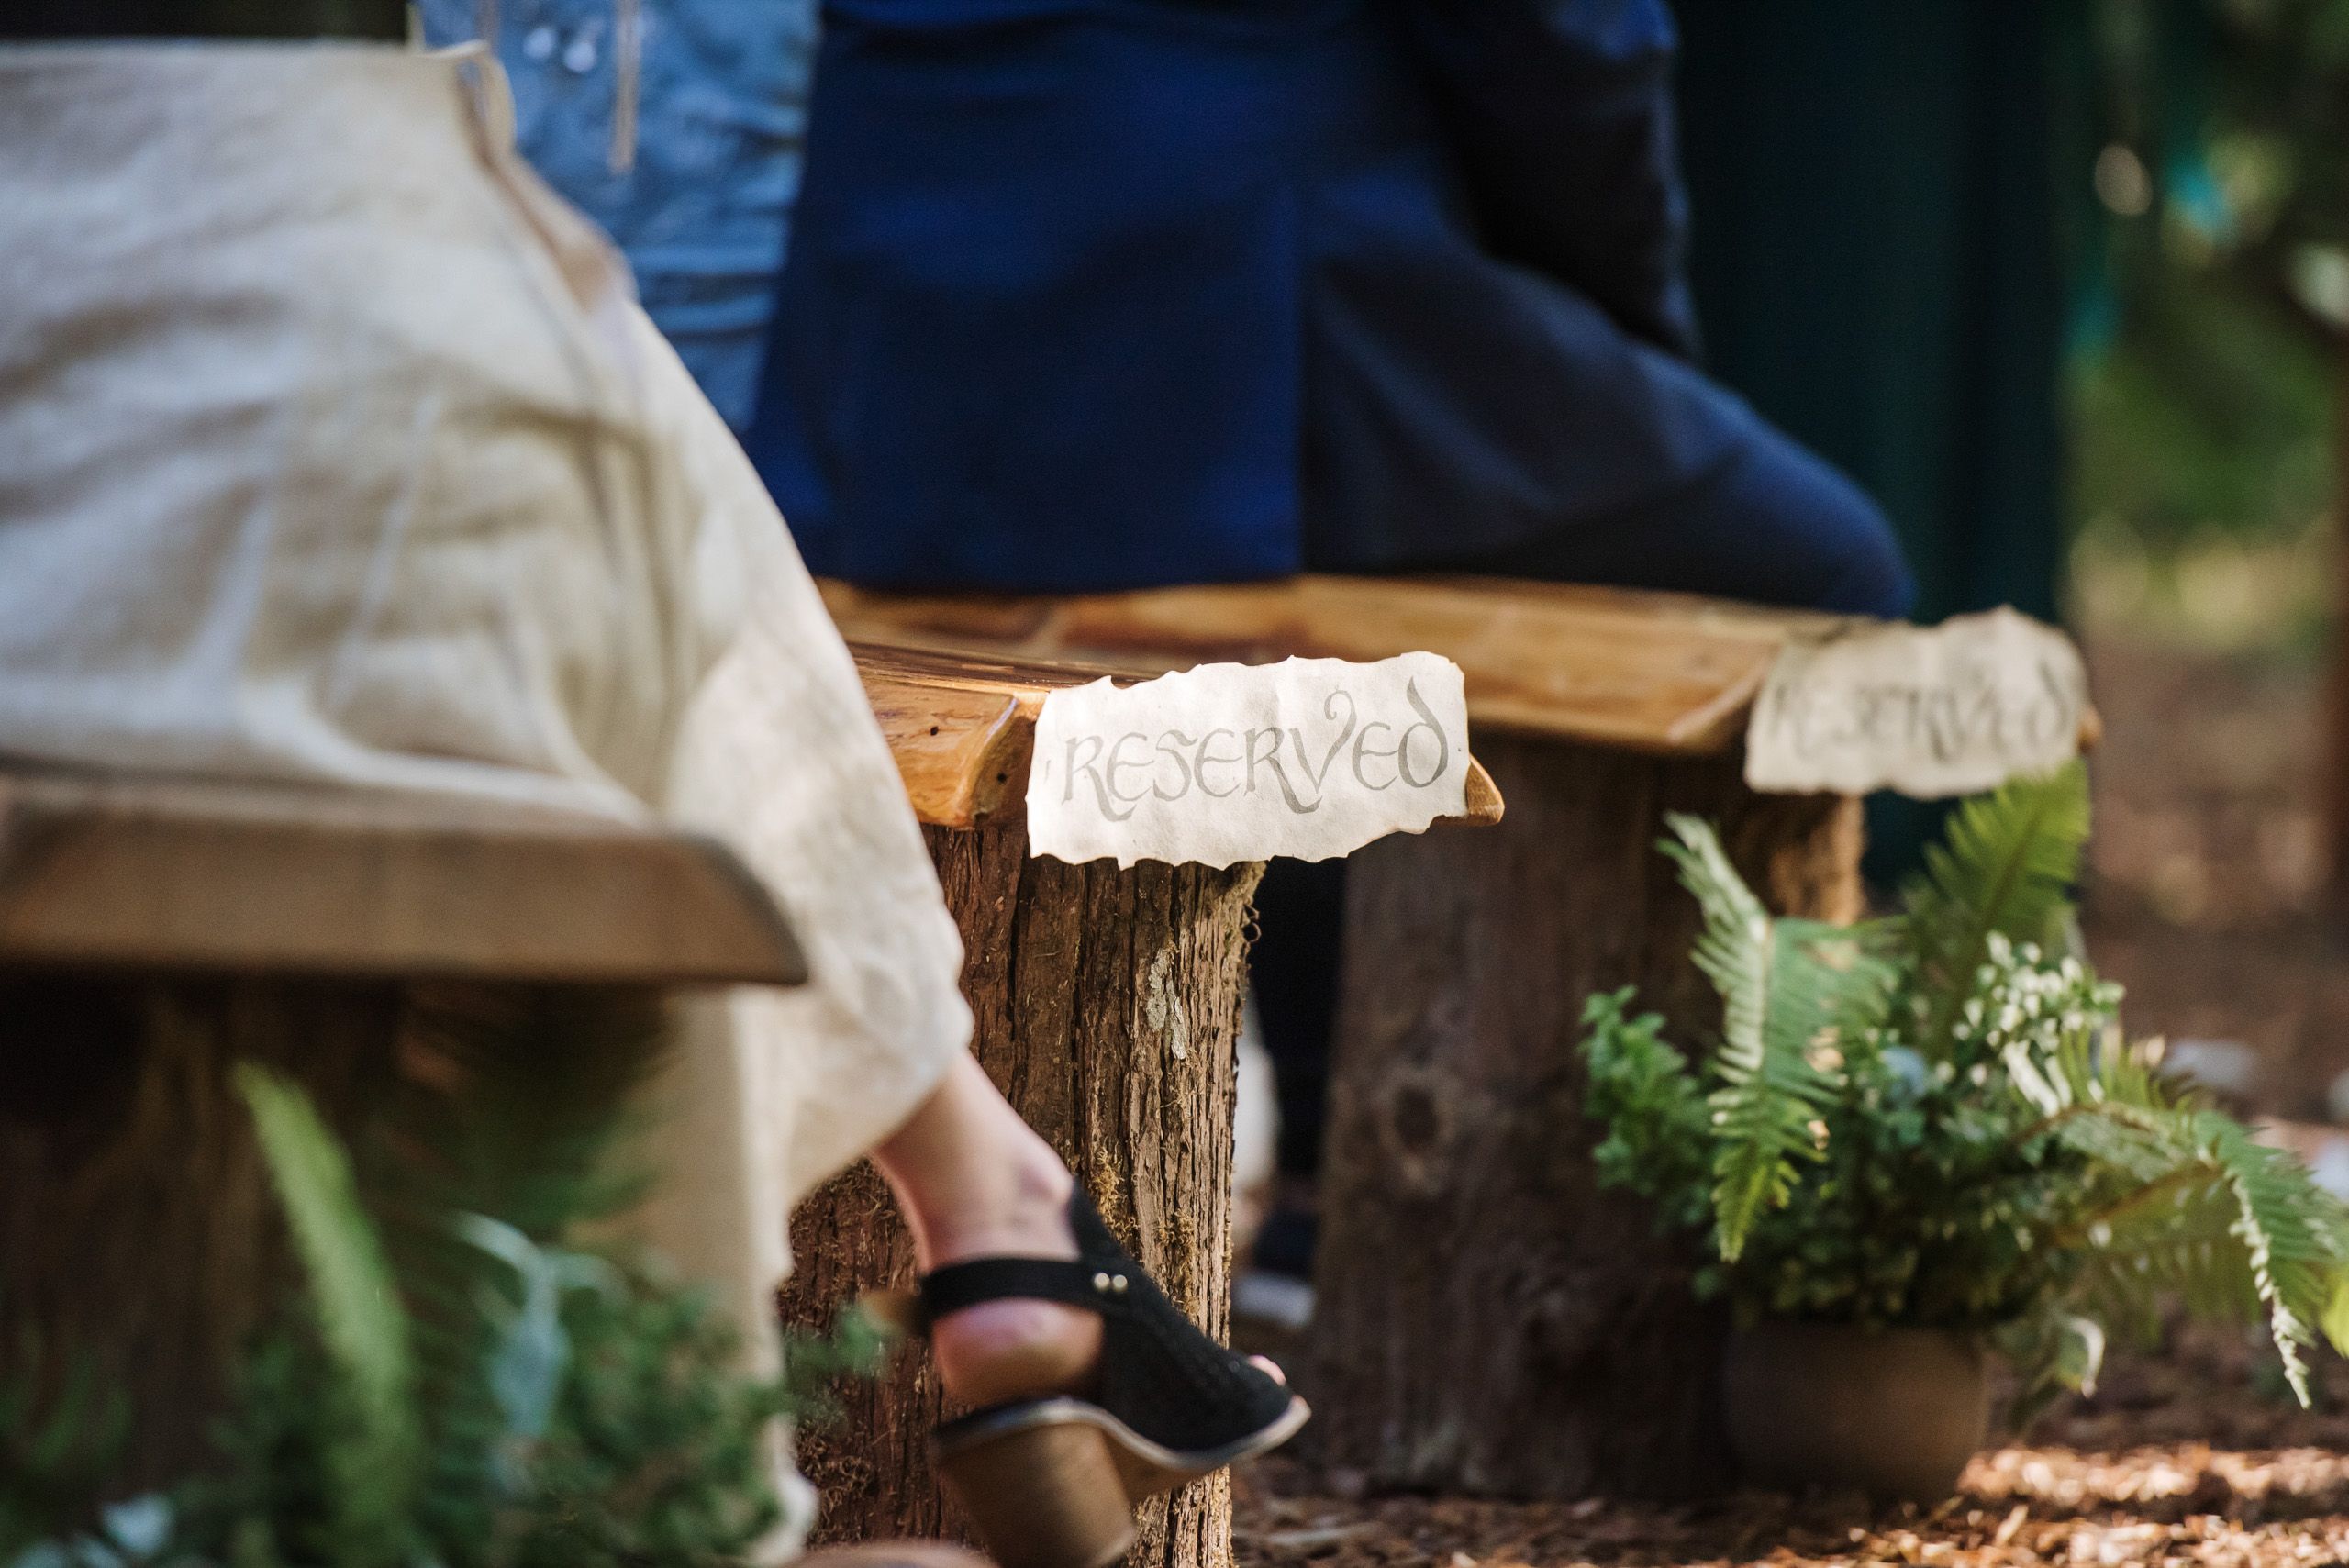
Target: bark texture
[1487, 1320]
[1107, 1006]
[141, 1236]
[138, 1233]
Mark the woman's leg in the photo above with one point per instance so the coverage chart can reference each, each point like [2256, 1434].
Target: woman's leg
[974, 1181]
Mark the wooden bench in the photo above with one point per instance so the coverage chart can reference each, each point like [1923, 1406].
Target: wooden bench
[1487, 1322]
[153, 933]
[1107, 1004]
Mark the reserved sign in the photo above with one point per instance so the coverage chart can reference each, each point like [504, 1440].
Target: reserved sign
[1929, 711]
[1309, 758]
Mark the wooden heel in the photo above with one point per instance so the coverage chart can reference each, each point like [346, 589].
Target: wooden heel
[1047, 1496]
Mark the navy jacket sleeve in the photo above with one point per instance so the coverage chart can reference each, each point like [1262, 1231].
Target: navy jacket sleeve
[1560, 113]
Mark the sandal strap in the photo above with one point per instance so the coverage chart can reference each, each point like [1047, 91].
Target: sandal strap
[958, 1285]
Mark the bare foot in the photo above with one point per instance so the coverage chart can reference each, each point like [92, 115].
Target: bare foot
[975, 1182]
[1002, 1350]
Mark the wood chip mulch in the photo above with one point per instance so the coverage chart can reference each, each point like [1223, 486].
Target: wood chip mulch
[2191, 1456]
[2174, 1505]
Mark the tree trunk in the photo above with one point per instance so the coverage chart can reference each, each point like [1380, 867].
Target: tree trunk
[138, 1235]
[1107, 1004]
[140, 1238]
[1487, 1320]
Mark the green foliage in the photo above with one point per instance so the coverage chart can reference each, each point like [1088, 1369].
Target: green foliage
[362, 1326]
[645, 1452]
[1789, 990]
[2005, 869]
[2207, 315]
[1658, 1126]
[465, 1382]
[1937, 1122]
[60, 1429]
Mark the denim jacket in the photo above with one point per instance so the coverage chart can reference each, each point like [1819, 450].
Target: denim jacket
[703, 208]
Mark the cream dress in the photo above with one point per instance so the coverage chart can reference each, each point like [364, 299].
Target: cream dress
[333, 447]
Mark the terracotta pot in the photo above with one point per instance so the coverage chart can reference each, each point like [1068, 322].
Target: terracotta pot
[1893, 1412]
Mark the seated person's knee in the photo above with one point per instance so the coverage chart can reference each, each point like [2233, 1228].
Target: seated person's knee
[1816, 539]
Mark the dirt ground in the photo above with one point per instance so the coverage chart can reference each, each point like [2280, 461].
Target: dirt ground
[2204, 900]
[2191, 1456]
[2207, 867]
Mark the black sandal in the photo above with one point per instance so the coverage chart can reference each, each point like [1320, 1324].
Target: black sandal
[1052, 1483]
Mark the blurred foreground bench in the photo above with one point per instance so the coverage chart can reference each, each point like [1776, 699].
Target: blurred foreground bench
[154, 933]
[1486, 1320]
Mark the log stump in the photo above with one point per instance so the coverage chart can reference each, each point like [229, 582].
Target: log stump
[154, 932]
[1487, 1320]
[139, 1236]
[1107, 1011]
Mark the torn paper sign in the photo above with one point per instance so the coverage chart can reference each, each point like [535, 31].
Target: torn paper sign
[1928, 711]
[1310, 758]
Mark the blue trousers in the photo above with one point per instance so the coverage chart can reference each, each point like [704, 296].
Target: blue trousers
[1775, 525]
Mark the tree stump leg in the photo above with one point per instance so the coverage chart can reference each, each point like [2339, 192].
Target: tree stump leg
[1487, 1320]
[1107, 1004]
[138, 1233]
[140, 1237]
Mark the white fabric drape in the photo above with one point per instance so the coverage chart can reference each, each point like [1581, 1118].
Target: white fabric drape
[333, 447]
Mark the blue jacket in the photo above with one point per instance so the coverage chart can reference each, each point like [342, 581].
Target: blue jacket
[702, 213]
[1098, 292]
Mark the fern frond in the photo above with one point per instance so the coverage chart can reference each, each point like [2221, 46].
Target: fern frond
[2171, 1238]
[2235, 1226]
[2286, 1236]
[2006, 867]
[519, 1104]
[1787, 987]
[373, 1461]
[63, 1424]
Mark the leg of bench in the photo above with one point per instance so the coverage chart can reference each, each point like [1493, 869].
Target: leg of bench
[1107, 1003]
[1486, 1320]
[140, 1234]
[138, 1231]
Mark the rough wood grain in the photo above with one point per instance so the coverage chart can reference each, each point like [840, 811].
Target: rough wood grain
[137, 1230]
[183, 875]
[1649, 672]
[139, 1236]
[1488, 1321]
[1108, 1005]
[962, 728]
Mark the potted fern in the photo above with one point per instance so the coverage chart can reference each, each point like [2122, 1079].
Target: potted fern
[1925, 1136]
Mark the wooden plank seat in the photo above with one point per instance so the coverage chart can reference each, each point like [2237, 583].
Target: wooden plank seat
[154, 933]
[963, 726]
[1647, 672]
[1107, 1003]
[1486, 1320]
[192, 874]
